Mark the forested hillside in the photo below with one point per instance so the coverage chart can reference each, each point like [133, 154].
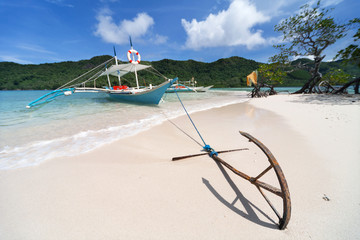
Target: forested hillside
[43, 76]
[228, 72]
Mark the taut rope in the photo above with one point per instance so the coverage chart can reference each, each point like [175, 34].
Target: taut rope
[206, 147]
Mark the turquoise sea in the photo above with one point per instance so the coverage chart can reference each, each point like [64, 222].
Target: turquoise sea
[71, 125]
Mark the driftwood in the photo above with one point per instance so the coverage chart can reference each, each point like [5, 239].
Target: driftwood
[257, 93]
[326, 87]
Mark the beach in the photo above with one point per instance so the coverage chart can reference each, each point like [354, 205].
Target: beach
[130, 189]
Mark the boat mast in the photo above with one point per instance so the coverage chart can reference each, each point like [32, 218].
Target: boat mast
[133, 58]
[116, 63]
[107, 75]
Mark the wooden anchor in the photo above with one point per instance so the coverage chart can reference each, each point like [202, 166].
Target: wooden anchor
[283, 192]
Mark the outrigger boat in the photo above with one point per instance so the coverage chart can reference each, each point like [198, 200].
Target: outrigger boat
[142, 95]
[187, 86]
[278, 187]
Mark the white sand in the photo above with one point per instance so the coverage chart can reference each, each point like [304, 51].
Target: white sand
[132, 190]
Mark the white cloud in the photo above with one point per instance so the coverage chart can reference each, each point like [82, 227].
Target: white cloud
[325, 3]
[159, 39]
[137, 28]
[105, 1]
[60, 3]
[278, 7]
[311, 57]
[231, 27]
[34, 48]
[8, 58]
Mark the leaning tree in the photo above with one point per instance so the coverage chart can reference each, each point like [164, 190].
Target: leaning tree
[334, 77]
[308, 33]
[351, 54]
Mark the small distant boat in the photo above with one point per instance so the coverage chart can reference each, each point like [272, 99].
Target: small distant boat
[187, 86]
[138, 94]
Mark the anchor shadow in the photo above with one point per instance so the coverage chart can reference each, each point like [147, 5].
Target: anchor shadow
[249, 206]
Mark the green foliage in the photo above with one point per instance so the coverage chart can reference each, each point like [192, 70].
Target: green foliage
[337, 77]
[271, 74]
[352, 52]
[309, 32]
[228, 72]
[43, 76]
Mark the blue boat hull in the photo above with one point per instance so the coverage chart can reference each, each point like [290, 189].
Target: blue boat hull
[152, 96]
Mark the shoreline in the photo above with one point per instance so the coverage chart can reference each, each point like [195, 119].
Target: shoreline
[132, 189]
[98, 123]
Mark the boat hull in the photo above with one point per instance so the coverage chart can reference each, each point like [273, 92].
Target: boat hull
[188, 89]
[203, 89]
[172, 90]
[151, 96]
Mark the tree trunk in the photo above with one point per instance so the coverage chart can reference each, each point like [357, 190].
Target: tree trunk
[315, 78]
[309, 85]
[304, 87]
[357, 80]
[256, 92]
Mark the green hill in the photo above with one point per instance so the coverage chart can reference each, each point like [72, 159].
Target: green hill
[227, 72]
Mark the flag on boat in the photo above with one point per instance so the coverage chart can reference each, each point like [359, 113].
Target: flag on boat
[251, 78]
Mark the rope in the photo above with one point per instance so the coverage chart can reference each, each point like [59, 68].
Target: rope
[155, 72]
[206, 147]
[84, 74]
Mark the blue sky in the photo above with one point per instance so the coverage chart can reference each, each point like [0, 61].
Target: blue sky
[46, 31]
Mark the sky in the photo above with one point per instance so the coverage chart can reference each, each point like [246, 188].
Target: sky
[47, 31]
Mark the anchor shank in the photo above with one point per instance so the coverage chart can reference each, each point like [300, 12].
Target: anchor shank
[234, 170]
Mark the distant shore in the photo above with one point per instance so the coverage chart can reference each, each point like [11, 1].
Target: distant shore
[131, 189]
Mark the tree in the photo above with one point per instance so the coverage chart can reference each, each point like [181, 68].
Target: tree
[308, 33]
[269, 75]
[332, 78]
[336, 77]
[351, 54]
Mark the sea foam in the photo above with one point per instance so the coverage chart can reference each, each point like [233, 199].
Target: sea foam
[49, 134]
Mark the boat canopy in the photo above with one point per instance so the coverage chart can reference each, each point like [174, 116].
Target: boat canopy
[122, 69]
